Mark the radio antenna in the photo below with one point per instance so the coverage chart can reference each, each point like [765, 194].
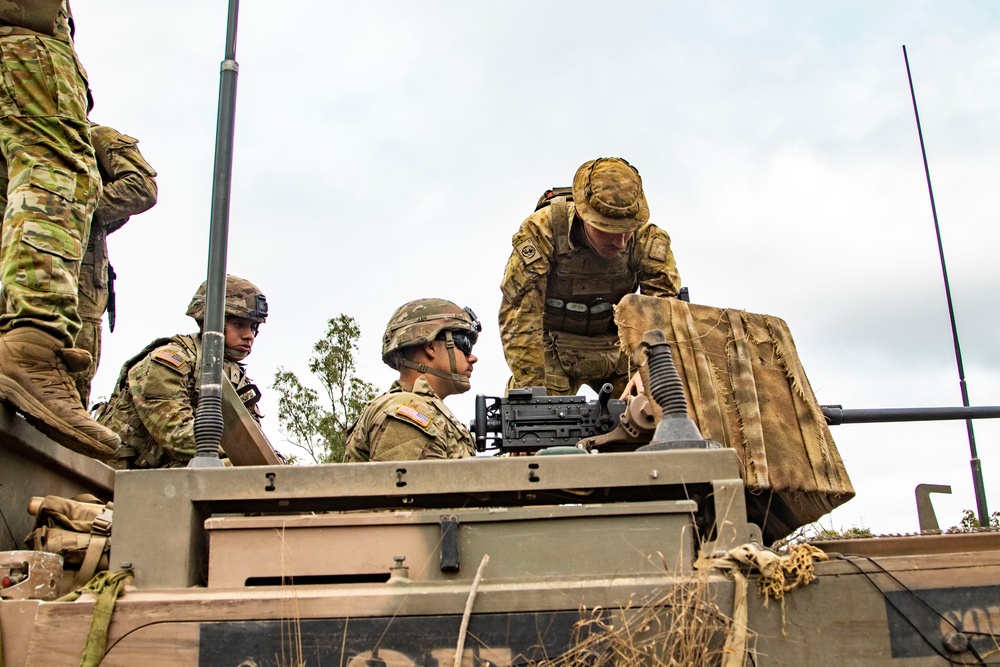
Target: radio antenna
[977, 467]
[208, 422]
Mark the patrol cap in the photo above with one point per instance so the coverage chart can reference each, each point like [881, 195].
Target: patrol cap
[420, 321]
[243, 299]
[608, 194]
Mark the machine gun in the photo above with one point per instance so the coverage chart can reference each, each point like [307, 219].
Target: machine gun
[527, 420]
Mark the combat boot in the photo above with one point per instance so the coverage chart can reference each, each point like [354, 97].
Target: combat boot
[35, 379]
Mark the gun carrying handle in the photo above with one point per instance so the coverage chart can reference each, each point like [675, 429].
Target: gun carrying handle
[605, 395]
[602, 398]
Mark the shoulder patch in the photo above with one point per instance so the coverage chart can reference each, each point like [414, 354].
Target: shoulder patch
[169, 357]
[414, 415]
[527, 251]
[660, 250]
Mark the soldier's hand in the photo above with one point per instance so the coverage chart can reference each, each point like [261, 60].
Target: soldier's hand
[634, 387]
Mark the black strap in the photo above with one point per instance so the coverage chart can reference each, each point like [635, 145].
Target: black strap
[110, 308]
[450, 560]
[252, 397]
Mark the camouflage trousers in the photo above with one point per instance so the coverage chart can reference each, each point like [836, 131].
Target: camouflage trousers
[49, 184]
[572, 361]
[93, 300]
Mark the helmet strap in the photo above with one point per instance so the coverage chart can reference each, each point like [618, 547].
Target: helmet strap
[449, 343]
[461, 382]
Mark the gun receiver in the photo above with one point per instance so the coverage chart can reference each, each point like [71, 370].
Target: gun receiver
[526, 419]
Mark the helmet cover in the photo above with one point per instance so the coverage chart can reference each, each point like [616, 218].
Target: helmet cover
[420, 321]
[243, 299]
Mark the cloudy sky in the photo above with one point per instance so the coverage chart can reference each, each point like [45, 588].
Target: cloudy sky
[387, 150]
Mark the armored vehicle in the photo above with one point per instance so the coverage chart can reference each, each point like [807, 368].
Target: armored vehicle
[648, 552]
[617, 532]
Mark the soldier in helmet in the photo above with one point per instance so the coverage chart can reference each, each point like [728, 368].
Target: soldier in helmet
[573, 261]
[429, 341]
[153, 404]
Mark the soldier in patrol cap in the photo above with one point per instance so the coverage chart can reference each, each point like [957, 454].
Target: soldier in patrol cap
[429, 341]
[574, 259]
[153, 404]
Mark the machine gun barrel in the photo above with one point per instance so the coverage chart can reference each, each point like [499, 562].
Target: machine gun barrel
[836, 414]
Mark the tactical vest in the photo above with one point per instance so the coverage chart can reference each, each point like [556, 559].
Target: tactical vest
[120, 415]
[583, 288]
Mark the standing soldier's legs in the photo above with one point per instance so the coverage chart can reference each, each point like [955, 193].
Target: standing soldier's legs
[93, 299]
[53, 184]
[557, 380]
[619, 380]
[572, 361]
[52, 190]
[50, 199]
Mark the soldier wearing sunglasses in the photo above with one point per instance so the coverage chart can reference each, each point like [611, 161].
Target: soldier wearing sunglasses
[429, 341]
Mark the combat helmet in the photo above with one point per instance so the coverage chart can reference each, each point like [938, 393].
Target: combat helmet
[243, 299]
[421, 321]
[607, 193]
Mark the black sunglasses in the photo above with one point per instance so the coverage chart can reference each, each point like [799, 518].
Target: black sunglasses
[462, 340]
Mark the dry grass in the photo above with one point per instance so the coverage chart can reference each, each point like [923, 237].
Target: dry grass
[680, 626]
[291, 626]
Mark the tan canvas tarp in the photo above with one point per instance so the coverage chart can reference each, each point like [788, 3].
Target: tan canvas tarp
[747, 390]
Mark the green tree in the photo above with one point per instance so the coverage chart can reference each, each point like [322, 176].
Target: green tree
[970, 523]
[319, 429]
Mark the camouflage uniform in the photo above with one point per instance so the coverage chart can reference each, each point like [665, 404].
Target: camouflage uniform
[416, 424]
[129, 189]
[49, 186]
[152, 407]
[49, 181]
[408, 425]
[153, 404]
[556, 316]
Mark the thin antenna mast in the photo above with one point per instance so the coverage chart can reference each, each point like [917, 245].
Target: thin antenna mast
[208, 424]
[977, 468]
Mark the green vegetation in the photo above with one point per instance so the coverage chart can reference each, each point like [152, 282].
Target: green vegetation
[320, 431]
[814, 532]
[970, 523]
[842, 533]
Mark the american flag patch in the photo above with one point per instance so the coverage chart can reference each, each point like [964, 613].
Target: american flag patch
[413, 415]
[169, 358]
